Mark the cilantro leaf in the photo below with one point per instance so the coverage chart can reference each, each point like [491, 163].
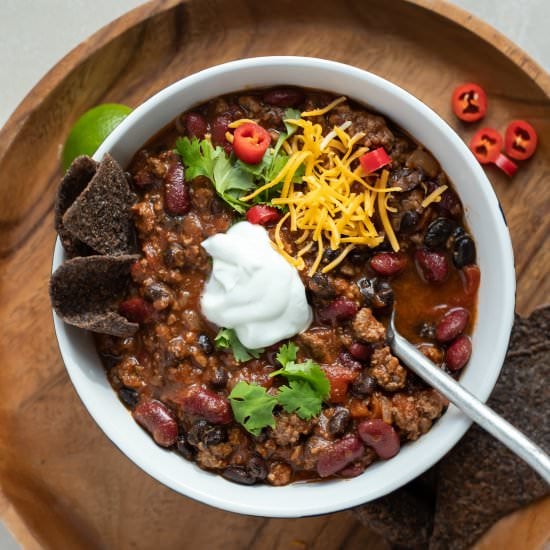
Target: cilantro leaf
[252, 407]
[310, 372]
[227, 338]
[231, 182]
[300, 397]
[287, 353]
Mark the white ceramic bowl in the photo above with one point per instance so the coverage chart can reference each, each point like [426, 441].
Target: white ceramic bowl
[495, 308]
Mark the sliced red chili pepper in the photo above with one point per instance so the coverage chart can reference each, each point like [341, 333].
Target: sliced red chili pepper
[262, 214]
[374, 160]
[469, 102]
[508, 166]
[486, 145]
[520, 140]
[250, 142]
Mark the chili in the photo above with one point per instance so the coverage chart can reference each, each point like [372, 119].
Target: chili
[469, 102]
[520, 140]
[486, 145]
[251, 142]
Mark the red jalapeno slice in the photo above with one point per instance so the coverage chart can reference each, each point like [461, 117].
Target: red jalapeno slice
[469, 102]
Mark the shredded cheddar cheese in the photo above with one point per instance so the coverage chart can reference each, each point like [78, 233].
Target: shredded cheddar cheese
[334, 204]
[240, 122]
[434, 196]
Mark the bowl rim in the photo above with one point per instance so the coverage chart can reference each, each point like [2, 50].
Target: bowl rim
[455, 422]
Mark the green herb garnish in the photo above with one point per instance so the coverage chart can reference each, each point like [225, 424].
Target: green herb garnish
[231, 182]
[252, 407]
[307, 387]
[227, 338]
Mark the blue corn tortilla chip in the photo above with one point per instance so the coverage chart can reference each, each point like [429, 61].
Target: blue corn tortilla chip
[100, 216]
[85, 292]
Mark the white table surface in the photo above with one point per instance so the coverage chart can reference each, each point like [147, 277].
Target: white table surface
[36, 34]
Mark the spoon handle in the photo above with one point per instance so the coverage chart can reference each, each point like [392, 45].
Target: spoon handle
[470, 405]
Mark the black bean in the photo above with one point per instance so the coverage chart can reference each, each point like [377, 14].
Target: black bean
[330, 255]
[184, 448]
[364, 384]
[339, 423]
[218, 378]
[359, 256]
[464, 252]
[129, 397]
[206, 344]
[320, 285]
[174, 256]
[196, 432]
[376, 293]
[239, 474]
[438, 232]
[214, 435]
[409, 221]
[257, 467]
[427, 331]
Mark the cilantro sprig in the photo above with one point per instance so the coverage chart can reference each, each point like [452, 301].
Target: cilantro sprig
[231, 177]
[307, 387]
[227, 338]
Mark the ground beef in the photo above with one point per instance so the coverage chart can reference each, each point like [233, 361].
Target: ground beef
[322, 344]
[414, 415]
[367, 328]
[387, 370]
[289, 428]
[280, 473]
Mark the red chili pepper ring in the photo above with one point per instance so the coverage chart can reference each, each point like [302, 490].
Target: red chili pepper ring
[486, 145]
[469, 102]
[520, 140]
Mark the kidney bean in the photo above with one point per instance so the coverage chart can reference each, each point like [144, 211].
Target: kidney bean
[257, 467]
[388, 263]
[433, 265]
[353, 470]
[339, 422]
[338, 310]
[195, 125]
[155, 417]
[339, 455]
[361, 351]
[207, 404]
[136, 310]
[176, 192]
[340, 379]
[380, 436]
[284, 97]
[458, 353]
[347, 360]
[219, 127]
[129, 397]
[450, 204]
[452, 324]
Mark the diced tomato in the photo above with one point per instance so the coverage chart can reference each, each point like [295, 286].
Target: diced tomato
[520, 140]
[471, 279]
[506, 165]
[486, 145]
[262, 214]
[340, 379]
[469, 102]
[136, 310]
[374, 160]
[250, 142]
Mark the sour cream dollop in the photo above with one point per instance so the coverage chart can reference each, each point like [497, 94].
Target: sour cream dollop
[252, 288]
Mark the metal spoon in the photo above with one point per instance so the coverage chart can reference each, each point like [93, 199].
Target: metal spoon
[485, 417]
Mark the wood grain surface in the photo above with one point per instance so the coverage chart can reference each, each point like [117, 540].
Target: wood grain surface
[64, 484]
